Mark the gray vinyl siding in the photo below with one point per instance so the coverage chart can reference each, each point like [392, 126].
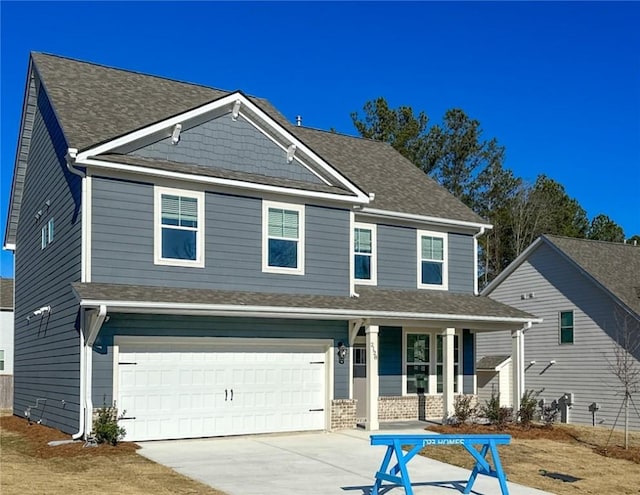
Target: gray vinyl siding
[582, 368]
[200, 326]
[47, 362]
[461, 263]
[390, 362]
[122, 244]
[397, 257]
[398, 262]
[233, 145]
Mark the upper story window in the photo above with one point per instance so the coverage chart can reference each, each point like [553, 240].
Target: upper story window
[282, 238]
[566, 327]
[364, 253]
[432, 260]
[179, 227]
[46, 234]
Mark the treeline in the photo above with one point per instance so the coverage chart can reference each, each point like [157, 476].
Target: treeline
[472, 168]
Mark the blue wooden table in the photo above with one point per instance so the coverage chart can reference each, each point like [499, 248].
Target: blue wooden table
[477, 445]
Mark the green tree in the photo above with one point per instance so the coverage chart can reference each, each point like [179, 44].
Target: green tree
[602, 228]
[399, 127]
[634, 240]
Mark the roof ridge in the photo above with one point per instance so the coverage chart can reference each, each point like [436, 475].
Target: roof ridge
[145, 74]
[584, 239]
[341, 134]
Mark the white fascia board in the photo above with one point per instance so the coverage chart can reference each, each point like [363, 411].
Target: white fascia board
[286, 311]
[9, 247]
[512, 266]
[228, 100]
[135, 169]
[423, 218]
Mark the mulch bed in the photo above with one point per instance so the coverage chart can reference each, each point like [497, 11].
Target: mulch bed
[37, 438]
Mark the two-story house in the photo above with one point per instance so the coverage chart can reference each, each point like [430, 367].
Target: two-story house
[588, 345]
[190, 255]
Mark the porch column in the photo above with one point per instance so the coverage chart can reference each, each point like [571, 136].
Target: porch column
[447, 373]
[371, 333]
[517, 363]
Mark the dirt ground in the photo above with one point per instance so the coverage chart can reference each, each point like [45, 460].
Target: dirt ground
[29, 465]
[565, 459]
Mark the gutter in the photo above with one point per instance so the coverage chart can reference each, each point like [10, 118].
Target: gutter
[80, 432]
[70, 157]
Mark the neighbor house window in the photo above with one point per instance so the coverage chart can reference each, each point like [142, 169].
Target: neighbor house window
[566, 327]
[418, 359]
[364, 253]
[1, 360]
[282, 238]
[179, 227]
[43, 237]
[51, 231]
[440, 363]
[432, 260]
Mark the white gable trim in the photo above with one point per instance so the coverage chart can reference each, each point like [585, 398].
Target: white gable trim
[223, 103]
[135, 169]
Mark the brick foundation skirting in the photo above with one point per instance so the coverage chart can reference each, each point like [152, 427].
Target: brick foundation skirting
[343, 414]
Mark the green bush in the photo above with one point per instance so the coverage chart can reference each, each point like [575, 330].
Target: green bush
[106, 428]
[528, 406]
[496, 415]
[463, 410]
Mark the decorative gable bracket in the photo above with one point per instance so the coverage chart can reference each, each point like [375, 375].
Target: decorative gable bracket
[291, 151]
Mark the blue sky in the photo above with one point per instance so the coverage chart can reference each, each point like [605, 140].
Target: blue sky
[558, 84]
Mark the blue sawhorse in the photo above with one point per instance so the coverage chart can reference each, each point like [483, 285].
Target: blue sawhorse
[399, 474]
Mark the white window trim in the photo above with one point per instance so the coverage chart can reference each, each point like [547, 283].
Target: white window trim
[374, 253]
[445, 259]
[157, 225]
[299, 270]
[433, 359]
[573, 327]
[44, 235]
[50, 231]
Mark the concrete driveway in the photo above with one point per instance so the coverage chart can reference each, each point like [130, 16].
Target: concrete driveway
[341, 462]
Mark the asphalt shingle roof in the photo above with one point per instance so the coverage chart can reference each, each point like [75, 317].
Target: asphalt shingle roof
[370, 300]
[614, 265]
[95, 104]
[490, 362]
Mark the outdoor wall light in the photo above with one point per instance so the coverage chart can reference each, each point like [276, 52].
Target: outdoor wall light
[342, 352]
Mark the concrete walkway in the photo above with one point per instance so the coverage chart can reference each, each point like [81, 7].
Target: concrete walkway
[340, 462]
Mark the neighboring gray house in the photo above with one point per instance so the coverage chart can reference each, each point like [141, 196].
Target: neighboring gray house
[6, 343]
[588, 295]
[189, 254]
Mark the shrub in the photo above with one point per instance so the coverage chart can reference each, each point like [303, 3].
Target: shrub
[549, 414]
[528, 406]
[463, 410]
[496, 415]
[106, 428]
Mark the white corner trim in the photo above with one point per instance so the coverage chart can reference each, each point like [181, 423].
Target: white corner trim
[300, 209]
[135, 169]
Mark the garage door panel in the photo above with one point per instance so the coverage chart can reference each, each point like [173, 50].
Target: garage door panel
[186, 393]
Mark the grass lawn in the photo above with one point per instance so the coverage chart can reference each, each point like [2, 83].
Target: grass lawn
[536, 456]
[29, 465]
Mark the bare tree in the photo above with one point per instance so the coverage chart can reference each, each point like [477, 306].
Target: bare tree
[625, 364]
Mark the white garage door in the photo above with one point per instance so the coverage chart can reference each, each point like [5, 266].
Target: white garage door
[188, 391]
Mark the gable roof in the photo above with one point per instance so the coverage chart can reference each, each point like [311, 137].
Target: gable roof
[492, 363]
[95, 104]
[614, 266]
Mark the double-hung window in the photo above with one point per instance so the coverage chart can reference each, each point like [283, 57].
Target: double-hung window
[432, 260]
[364, 253]
[179, 227]
[282, 238]
[566, 327]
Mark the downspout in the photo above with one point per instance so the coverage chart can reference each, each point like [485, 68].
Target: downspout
[70, 157]
[86, 371]
[475, 260]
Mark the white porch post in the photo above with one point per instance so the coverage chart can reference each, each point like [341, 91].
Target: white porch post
[371, 332]
[517, 358]
[447, 372]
